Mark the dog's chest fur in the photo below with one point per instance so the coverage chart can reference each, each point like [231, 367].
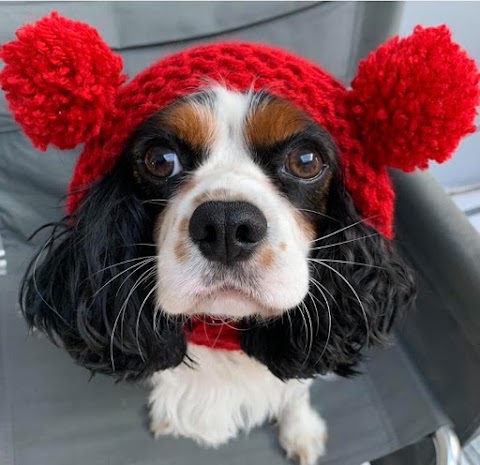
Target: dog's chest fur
[220, 393]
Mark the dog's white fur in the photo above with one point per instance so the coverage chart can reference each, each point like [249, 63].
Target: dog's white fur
[225, 392]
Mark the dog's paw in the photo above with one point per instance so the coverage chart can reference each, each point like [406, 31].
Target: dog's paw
[303, 437]
[162, 428]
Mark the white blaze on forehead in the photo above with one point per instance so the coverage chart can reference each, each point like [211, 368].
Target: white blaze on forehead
[231, 109]
[228, 165]
[229, 161]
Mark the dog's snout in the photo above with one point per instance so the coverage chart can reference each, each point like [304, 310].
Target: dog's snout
[227, 232]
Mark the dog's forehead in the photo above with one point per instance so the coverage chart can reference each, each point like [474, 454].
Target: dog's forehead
[216, 117]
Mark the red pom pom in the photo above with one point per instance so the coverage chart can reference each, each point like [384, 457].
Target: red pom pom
[414, 99]
[61, 81]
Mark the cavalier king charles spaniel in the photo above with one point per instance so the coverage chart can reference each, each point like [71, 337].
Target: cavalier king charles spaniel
[229, 226]
[223, 259]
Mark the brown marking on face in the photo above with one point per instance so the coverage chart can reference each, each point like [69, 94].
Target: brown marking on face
[273, 121]
[199, 199]
[267, 257]
[218, 194]
[283, 246]
[320, 208]
[183, 227]
[189, 186]
[181, 251]
[157, 228]
[226, 195]
[323, 190]
[306, 226]
[191, 123]
[223, 195]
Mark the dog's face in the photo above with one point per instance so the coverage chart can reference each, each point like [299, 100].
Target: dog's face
[233, 172]
[225, 204]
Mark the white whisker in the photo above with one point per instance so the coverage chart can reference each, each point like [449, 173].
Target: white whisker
[328, 260]
[136, 266]
[137, 325]
[319, 286]
[156, 201]
[312, 298]
[123, 309]
[300, 309]
[290, 321]
[342, 229]
[356, 295]
[317, 213]
[118, 263]
[343, 242]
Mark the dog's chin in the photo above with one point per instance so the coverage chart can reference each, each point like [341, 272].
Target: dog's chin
[232, 304]
[228, 303]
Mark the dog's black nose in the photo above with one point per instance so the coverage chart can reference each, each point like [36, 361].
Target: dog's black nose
[227, 232]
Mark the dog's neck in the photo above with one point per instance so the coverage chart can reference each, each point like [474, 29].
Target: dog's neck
[214, 333]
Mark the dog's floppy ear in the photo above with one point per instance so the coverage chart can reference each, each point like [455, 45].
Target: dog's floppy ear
[91, 287]
[61, 81]
[358, 286]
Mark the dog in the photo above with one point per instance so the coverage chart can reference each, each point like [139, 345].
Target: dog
[229, 221]
[233, 206]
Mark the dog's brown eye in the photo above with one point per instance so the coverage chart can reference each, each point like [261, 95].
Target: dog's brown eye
[162, 162]
[305, 164]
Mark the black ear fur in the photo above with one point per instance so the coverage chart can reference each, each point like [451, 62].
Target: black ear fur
[78, 290]
[300, 344]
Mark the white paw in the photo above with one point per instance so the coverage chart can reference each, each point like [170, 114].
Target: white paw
[162, 428]
[303, 437]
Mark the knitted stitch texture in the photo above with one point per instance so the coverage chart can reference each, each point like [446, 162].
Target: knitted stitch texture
[413, 100]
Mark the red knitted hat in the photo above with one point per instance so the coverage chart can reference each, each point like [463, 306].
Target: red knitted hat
[412, 100]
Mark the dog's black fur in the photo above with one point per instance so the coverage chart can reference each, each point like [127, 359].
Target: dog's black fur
[67, 295]
[364, 267]
[80, 292]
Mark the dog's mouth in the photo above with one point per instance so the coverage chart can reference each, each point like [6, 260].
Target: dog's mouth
[230, 302]
[228, 292]
[222, 314]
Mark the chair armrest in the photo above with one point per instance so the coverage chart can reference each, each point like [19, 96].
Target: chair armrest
[447, 447]
[443, 335]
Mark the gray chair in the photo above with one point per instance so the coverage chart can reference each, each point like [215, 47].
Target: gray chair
[424, 386]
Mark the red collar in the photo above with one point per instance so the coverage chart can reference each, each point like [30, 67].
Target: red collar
[213, 333]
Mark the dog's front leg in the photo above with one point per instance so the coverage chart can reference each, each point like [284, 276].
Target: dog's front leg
[302, 432]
